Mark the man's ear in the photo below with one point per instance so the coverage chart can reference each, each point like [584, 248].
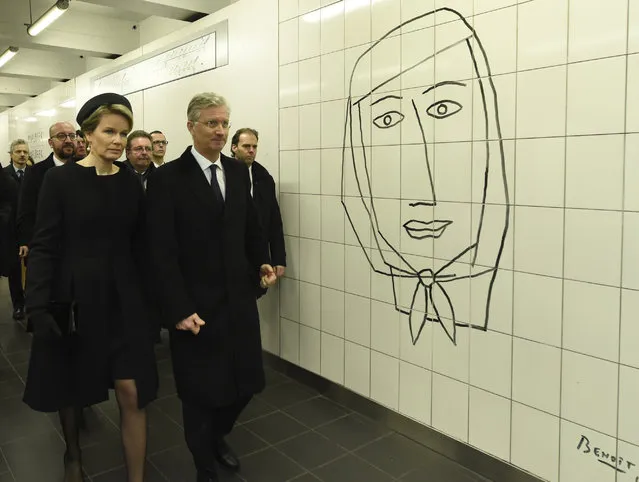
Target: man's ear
[233, 148]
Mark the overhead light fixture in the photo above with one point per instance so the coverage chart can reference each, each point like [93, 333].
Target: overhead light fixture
[8, 55]
[31, 119]
[48, 18]
[46, 113]
[68, 104]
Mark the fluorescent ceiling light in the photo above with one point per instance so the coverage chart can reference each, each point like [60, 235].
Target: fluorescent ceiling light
[31, 119]
[68, 104]
[46, 113]
[48, 18]
[8, 55]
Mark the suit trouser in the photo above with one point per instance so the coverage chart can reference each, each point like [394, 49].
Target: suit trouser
[203, 426]
[15, 284]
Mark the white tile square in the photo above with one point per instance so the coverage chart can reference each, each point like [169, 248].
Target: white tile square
[332, 28]
[310, 86]
[591, 319]
[414, 178]
[333, 219]
[535, 442]
[632, 100]
[482, 6]
[287, 9]
[385, 328]
[539, 240]
[290, 340]
[385, 174]
[310, 260]
[496, 313]
[309, 36]
[491, 361]
[310, 305]
[385, 380]
[630, 250]
[290, 299]
[628, 402]
[506, 90]
[597, 114]
[626, 451]
[333, 115]
[587, 378]
[358, 319]
[358, 272]
[498, 33]
[420, 353]
[385, 16]
[333, 266]
[357, 82]
[417, 74]
[358, 227]
[289, 172]
[307, 6]
[358, 369]
[357, 22]
[537, 375]
[288, 42]
[580, 449]
[538, 308]
[386, 65]
[387, 212]
[292, 245]
[587, 185]
[333, 312]
[290, 210]
[540, 172]
[541, 102]
[331, 178]
[542, 34]
[289, 128]
[497, 222]
[489, 155]
[310, 123]
[448, 359]
[597, 29]
[310, 349]
[415, 392]
[289, 85]
[310, 168]
[382, 288]
[414, 8]
[310, 216]
[452, 171]
[457, 237]
[332, 75]
[489, 428]
[629, 328]
[269, 324]
[450, 407]
[631, 195]
[333, 358]
[602, 250]
[633, 26]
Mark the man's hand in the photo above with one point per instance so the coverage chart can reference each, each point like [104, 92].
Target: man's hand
[279, 271]
[267, 276]
[23, 252]
[192, 324]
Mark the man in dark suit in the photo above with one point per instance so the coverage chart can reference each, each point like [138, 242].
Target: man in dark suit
[139, 150]
[244, 149]
[62, 141]
[8, 193]
[19, 151]
[210, 257]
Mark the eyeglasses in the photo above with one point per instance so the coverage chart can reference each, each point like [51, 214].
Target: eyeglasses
[213, 124]
[160, 143]
[62, 136]
[141, 149]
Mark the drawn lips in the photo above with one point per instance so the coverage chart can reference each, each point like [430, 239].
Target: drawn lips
[422, 229]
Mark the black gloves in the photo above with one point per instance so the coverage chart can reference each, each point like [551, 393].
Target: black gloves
[44, 325]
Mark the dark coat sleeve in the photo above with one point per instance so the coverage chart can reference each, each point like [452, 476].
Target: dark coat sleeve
[275, 230]
[27, 206]
[256, 245]
[8, 192]
[160, 214]
[45, 246]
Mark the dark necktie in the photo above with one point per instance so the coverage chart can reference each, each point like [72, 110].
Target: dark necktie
[20, 175]
[216, 185]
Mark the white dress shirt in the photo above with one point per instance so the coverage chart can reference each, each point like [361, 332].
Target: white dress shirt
[57, 161]
[251, 177]
[205, 164]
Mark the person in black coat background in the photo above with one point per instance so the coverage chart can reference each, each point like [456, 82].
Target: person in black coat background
[19, 151]
[85, 297]
[210, 257]
[8, 193]
[244, 149]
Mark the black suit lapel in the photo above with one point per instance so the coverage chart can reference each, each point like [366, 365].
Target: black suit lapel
[196, 179]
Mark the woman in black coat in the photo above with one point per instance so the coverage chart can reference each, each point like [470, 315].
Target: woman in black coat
[84, 294]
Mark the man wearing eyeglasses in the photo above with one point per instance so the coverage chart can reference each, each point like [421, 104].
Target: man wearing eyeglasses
[62, 141]
[139, 150]
[159, 147]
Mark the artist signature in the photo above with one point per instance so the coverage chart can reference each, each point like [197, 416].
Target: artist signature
[613, 461]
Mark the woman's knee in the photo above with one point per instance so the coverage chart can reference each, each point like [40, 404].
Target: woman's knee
[126, 393]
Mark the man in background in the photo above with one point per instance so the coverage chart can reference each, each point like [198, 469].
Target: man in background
[139, 150]
[244, 149]
[80, 145]
[159, 147]
[19, 151]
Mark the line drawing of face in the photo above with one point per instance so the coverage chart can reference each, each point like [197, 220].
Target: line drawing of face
[446, 108]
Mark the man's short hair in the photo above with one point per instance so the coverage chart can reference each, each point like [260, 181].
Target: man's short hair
[15, 143]
[156, 132]
[79, 133]
[236, 137]
[202, 101]
[135, 134]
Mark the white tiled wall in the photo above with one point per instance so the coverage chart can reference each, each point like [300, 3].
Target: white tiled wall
[557, 363]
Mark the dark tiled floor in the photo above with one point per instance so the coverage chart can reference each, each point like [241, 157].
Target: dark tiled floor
[287, 433]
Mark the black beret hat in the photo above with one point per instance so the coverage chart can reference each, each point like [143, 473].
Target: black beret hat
[94, 103]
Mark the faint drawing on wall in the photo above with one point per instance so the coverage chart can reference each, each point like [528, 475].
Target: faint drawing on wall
[441, 92]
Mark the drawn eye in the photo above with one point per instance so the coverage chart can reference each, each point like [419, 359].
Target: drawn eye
[389, 119]
[443, 109]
